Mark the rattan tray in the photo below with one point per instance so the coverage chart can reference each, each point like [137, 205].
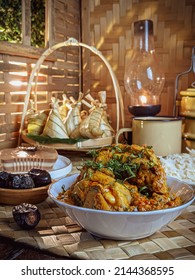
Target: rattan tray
[83, 145]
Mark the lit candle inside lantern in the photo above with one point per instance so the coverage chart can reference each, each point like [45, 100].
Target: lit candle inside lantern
[143, 77]
[143, 100]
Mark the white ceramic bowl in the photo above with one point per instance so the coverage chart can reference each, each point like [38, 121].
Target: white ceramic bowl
[61, 168]
[122, 225]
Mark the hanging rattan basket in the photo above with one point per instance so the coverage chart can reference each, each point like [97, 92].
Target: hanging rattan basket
[82, 145]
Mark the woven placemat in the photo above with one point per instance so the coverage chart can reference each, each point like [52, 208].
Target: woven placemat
[58, 234]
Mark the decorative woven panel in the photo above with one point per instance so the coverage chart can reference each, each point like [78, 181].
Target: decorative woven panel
[58, 74]
[108, 25]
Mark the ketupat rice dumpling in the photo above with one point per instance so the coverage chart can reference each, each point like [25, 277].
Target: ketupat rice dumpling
[69, 121]
[54, 126]
[36, 120]
[121, 178]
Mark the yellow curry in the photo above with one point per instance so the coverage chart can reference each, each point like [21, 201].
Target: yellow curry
[121, 178]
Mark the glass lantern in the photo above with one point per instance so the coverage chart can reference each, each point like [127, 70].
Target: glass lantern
[144, 79]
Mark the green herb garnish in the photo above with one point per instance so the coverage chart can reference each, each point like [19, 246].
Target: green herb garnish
[145, 190]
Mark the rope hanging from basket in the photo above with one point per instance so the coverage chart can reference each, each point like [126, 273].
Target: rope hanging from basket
[74, 42]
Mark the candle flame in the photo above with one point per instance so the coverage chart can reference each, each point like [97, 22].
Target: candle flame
[143, 99]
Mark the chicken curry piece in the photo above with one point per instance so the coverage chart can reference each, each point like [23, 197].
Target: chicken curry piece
[121, 178]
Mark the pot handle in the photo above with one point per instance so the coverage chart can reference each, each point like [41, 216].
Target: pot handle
[120, 131]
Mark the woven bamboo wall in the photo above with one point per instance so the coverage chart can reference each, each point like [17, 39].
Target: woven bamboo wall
[108, 25]
[58, 74]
